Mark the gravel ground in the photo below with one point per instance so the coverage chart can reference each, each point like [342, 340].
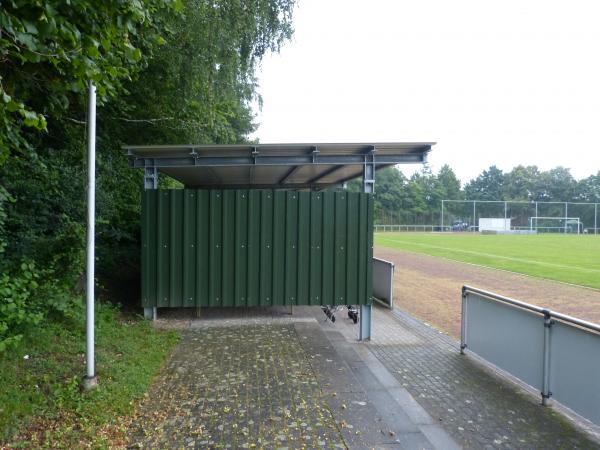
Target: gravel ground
[430, 289]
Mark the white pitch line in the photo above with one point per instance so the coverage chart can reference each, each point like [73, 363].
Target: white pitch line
[509, 258]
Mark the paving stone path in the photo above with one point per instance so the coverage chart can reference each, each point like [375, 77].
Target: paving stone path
[242, 380]
[479, 410]
[237, 387]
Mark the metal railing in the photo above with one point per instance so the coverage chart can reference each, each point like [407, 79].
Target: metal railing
[379, 228]
[399, 227]
[553, 352]
[559, 210]
[383, 282]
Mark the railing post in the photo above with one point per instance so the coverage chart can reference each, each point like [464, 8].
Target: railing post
[463, 322]
[546, 394]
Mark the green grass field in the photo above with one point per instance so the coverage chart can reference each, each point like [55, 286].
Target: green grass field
[568, 258]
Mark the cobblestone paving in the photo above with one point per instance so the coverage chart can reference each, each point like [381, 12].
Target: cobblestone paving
[237, 387]
[476, 408]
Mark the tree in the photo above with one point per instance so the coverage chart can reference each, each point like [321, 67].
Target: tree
[49, 51]
[556, 185]
[489, 185]
[521, 183]
[448, 184]
[588, 189]
[175, 71]
[390, 194]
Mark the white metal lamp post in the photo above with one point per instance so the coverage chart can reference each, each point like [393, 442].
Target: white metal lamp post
[90, 380]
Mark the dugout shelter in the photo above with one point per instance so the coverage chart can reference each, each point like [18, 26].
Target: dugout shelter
[262, 224]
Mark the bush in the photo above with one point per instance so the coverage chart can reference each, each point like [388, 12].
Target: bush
[17, 310]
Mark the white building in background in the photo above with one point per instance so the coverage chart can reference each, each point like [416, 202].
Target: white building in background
[493, 224]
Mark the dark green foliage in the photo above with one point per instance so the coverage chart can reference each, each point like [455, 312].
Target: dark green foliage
[165, 71]
[489, 185]
[17, 311]
[417, 201]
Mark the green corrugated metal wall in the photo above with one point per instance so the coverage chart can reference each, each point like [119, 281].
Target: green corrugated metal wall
[256, 248]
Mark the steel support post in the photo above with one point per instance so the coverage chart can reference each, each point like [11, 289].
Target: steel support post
[364, 332]
[369, 173]
[150, 313]
[463, 323]
[90, 379]
[150, 177]
[150, 182]
[546, 394]
[365, 322]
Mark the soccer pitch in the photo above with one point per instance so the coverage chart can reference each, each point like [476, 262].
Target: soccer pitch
[568, 258]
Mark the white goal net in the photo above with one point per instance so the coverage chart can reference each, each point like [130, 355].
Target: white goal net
[555, 224]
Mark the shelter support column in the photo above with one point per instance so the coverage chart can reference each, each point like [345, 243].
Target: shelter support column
[150, 182]
[365, 318]
[150, 177]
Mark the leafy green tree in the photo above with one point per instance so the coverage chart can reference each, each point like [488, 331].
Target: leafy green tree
[49, 51]
[448, 184]
[489, 185]
[521, 183]
[390, 194]
[166, 71]
[588, 189]
[555, 185]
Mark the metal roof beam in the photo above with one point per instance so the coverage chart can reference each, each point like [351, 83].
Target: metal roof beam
[289, 173]
[291, 186]
[324, 174]
[283, 160]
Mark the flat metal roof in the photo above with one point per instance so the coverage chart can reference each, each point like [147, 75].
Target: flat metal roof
[286, 166]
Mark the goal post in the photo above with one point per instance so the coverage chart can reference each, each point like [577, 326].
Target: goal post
[555, 224]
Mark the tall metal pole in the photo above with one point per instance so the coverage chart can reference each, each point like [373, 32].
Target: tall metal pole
[566, 215]
[365, 317]
[90, 379]
[473, 228]
[595, 218]
[442, 225]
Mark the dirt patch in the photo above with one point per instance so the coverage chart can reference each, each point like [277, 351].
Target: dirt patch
[430, 287]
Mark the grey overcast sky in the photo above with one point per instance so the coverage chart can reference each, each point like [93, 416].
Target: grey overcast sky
[493, 82]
